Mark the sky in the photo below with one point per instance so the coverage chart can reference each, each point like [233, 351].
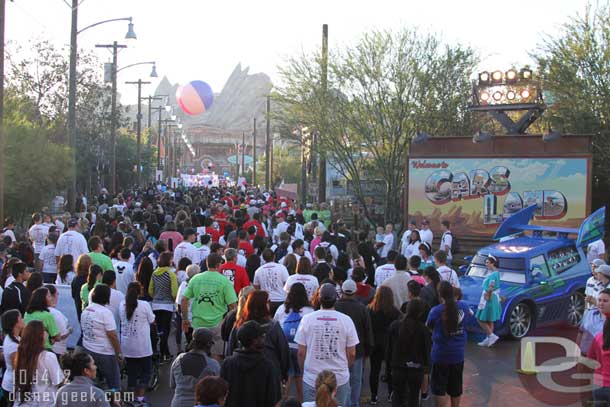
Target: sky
[205, 40]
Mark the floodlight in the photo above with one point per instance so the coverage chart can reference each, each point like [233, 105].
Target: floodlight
[497, 96]
[481, 136]
[510, 95]
[526, 73]
[484, 96]
[421, 137]
[484, 78]
[497, 76]
[553, 135]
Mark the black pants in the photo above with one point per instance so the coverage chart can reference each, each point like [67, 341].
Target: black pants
[273, 306]
[49, 278]
[179, 328]
[406, 383]
[377, 356]
[164, 321]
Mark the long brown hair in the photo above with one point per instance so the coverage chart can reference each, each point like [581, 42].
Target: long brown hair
[26, 357]
[82, 265]
[326, 383]
[131, 298]
[256, 309]
[383, 300]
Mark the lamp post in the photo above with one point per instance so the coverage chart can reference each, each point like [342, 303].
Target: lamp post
[72, 85]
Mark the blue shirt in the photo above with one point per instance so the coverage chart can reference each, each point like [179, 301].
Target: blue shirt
[447, 348]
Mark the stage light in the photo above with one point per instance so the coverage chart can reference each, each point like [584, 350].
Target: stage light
[497, 96]
[525, 94]
[484, 96]
[526, 73]
[484, 78]
[497, 76]
[511, 76]
[510, 95]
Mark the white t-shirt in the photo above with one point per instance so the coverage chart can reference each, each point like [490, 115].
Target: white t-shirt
[388, 240]
[595, 249]
[63, 325]
[327, 334]
[405, 238]
[72, 243]
[384, 272]
[203, 252]
[271, 277]
[448, 274]
[38, 234]
[186, 249]
[330, 248]
[135, 333]
[69, 277]
[95, 321]
[426, 236]
[280, 314]
[309, 281]
[412, 249]
[116, 297]
[124, 275]
[179, 297]
[48, 377]
[9, 232]
[447, 241]
[48, 259]
[9, 347]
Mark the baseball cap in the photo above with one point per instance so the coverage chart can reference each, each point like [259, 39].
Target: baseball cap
[283, 205]
[248, 332]
[604, 269]
[328, 292]
[203, 337]
[349, 287]
[72, 222]
[598, 262]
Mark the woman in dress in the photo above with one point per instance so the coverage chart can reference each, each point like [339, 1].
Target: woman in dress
[489, 306]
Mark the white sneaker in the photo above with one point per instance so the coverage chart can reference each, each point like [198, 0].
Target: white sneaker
[484, 342]
[492, 339]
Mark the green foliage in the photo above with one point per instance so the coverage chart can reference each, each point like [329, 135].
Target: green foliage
[380, 92]
[575, 70]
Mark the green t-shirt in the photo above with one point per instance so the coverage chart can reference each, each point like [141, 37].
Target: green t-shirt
[211, 293]
[101, 260]
[47, 321]
[84, 294]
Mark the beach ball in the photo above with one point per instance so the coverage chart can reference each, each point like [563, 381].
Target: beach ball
[195, 97]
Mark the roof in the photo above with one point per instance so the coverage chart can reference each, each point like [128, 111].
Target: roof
[520, 246]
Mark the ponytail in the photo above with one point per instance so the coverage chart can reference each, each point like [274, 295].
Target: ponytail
[131, 298]
[450, 311]
[326, 384]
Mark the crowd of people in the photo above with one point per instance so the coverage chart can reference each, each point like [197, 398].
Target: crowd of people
[261, 297]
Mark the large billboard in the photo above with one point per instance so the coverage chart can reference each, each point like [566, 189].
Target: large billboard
[477, 194]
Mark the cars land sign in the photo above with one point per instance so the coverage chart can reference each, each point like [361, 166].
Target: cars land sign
[487, 191]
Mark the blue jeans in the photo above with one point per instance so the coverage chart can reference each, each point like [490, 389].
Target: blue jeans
[601, 396]
[342, 397]
[108, 366]
[355, 382]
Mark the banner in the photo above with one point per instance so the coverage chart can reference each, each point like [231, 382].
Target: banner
[477, 194]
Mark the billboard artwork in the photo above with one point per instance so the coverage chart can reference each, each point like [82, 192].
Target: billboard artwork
[477, 194]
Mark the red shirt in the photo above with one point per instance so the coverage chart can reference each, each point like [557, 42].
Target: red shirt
[236, 274]
[364, 291]
[246, 247]
[259, 228]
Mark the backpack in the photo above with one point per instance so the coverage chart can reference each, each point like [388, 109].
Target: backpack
[455, 243]
[290, 325]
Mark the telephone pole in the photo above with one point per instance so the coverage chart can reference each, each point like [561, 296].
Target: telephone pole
[254, 154]
[324, 81]
[139, 82]
[267, 145]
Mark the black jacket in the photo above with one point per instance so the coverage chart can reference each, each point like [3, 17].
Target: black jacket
[400, 351]
[76, 285]
[429, 295]
[15, 296]
[362, 320]
[253, 378]
[370, 256]
[380, 322]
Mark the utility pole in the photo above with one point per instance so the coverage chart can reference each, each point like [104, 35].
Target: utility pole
[2, 25]
[324, 81]
[115, 50]
[72, 104]
[139, 82]
[254, 154]
[150, 99]
[243, 154]
[303, 194]
[267, 145]
[159, 139]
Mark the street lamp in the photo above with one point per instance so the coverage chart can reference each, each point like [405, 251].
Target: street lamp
[72, 84]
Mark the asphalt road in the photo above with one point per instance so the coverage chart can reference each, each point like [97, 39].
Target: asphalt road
[490, 377]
